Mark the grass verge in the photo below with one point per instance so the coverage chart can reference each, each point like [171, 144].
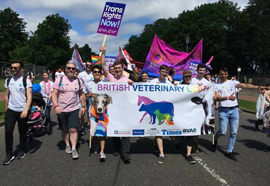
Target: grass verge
[248, 105]
[2, 110]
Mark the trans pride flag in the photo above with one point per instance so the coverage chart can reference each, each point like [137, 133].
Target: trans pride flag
[162, 54]
[76, 58]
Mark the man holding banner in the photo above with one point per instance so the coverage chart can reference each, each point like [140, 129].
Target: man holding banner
[158, 143]
[124, 145]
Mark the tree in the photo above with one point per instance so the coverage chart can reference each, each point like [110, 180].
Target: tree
[12, 33]
[49, 44]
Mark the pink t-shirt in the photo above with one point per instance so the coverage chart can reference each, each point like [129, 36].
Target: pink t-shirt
[111, 78]
[68, 93]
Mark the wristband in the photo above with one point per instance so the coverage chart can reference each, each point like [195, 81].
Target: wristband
[83, 106]
[259, 87]
[56, 105]
[228, 97]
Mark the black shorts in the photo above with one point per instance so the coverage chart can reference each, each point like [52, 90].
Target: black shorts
[69, 120]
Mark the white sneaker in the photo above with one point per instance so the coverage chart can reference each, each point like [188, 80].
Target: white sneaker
[102, 156]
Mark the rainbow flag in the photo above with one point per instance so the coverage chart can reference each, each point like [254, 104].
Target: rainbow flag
[96, 60]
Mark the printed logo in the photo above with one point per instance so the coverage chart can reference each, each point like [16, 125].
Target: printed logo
[189, 130]
[20, 85]
[172, 132]
[122, 132]
[138, 132]
[61, 85]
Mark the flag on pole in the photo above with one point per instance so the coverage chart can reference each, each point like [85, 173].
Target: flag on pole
[162, 54]
[96, 60]
[76, 58]
[123, 56]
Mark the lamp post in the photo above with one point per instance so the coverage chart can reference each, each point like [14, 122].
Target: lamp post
[187, 42]
[238, 70]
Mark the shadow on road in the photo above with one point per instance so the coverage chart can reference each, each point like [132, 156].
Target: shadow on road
[33, 146]
[254, 144]
[252, 128]
[251, 121]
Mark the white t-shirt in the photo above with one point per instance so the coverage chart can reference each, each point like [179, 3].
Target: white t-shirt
[42, 85]
[17, 99]
[157, 80]
[226, 89]
[85, 78]
[58, 75]
[196, 81]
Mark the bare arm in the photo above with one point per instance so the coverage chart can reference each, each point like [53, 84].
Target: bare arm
[103, 62]
[54, 100]
[6, 98]
[83, 101]
[217, 97]
[247, 85]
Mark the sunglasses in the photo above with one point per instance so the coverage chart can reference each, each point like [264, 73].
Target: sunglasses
[70, 68]
[15, 68]
[187, 76]
[96, 71]
[88, 65]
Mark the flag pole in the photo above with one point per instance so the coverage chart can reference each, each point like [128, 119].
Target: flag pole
[90, 141]
[104, 41]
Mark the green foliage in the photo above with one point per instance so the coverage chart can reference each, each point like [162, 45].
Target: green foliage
[12, 33]
[248, 105]
[2, 110]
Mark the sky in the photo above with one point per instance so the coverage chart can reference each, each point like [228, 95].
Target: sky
[84, 17]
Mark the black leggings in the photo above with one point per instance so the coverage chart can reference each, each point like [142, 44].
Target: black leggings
[190, 140]
[10, 120]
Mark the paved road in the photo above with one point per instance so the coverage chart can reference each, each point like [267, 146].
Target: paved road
[47, 164]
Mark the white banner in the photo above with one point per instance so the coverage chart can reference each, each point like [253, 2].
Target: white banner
[145, 109]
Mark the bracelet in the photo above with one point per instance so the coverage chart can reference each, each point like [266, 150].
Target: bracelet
[228, 97]
[83, 106]
[56, 105]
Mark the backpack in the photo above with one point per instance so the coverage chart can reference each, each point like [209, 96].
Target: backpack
[24, 83]
[61, 79]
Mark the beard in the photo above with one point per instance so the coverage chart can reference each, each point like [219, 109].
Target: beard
[70, 74]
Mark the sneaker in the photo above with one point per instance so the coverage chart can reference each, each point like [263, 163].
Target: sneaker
[215, 145]
[8, 159]
[256, 126]
[68, 149]
[82, 131]
[126, 158]
[190, 159]
[21, 155]
[102, 156]
[231, 156]
[176, 147]
[115, 153]
[75, 154]
[96, 150]
[161, 159]
[155, 148]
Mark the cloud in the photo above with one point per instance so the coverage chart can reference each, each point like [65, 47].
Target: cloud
[130, 28]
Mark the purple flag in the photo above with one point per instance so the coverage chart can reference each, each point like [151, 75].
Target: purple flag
[111, 18]
[162, 54]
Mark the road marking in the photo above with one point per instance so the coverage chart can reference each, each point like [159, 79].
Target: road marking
[211, 171]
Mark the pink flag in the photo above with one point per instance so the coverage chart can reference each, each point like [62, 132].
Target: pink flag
[162, 54]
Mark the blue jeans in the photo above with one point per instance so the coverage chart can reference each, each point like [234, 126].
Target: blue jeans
[48, 115]
[231, 116]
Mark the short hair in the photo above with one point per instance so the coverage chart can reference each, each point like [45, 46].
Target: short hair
[71, 62]
[224, 69]
[46, 73]
[201, 65]
[89, 61]
[164, 67]
[171, 71]
[21, 63]
[144, 72]
[111, 66]
[118, 63]
[97, 66]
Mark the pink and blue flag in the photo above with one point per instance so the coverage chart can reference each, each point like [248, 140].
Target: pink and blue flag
[76, 58]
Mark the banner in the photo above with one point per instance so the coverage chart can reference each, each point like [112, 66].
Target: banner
[76, 58]
[96, 60]
[123, 56]
[111, 18]
[145, 109]
[162, 54]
